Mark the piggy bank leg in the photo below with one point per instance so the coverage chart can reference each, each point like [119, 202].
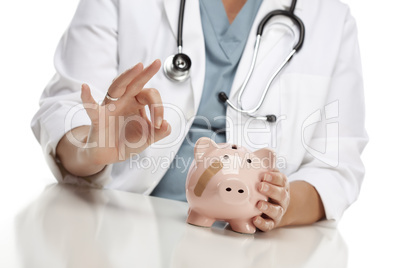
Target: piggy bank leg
[243, 226]
[195, 218]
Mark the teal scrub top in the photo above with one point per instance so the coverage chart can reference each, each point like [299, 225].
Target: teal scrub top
[224, 45]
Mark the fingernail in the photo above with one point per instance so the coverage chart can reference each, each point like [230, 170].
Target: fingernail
[153, 62]
[267, 177]
[139, 64]
[264, 187]
[158, 122]
[258, 221]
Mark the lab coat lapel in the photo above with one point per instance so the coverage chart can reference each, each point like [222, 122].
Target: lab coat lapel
[172, 13]
[193, 42]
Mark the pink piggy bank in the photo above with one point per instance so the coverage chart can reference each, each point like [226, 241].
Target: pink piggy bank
[222, 184]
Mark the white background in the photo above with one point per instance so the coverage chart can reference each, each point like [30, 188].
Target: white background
[371, 228]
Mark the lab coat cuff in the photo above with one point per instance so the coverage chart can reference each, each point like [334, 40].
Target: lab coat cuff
[328, 187]
[60, 121]
[98, 180]
[52, 130]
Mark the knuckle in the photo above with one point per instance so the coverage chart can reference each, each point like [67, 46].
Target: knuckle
[271, 191]
[275, 211]
[281, 177]
[283, 194]
[112, 87]
[285, 181]
[287, 196]
[280, 211]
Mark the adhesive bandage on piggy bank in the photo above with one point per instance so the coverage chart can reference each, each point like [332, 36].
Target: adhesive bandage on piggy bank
[222, 184]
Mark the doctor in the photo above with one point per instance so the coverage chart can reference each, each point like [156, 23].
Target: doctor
[317, 99]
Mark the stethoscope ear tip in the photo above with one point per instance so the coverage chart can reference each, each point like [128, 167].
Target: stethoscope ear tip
[271, 118]
[223, 97]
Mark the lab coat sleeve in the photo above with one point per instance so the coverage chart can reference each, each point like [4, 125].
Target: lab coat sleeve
[332, 163]
[87, 53]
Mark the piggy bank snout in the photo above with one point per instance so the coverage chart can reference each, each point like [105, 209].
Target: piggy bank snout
[233, 191]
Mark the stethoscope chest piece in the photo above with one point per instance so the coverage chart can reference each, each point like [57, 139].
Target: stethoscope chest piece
[177, 67]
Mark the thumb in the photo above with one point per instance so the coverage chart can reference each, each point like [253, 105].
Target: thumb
[90, 105]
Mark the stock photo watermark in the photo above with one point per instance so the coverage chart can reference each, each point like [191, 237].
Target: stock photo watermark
[115, 133]
[234, 161]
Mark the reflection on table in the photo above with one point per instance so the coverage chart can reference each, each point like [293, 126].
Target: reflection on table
[70, 226]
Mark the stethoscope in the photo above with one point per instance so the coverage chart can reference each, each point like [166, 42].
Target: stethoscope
[177, 67]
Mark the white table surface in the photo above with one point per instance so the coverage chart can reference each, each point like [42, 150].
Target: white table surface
[68, 226]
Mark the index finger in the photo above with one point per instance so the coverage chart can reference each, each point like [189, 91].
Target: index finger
[118, 87]
[138, 83]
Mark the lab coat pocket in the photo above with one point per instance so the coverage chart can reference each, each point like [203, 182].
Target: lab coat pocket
[302, 100]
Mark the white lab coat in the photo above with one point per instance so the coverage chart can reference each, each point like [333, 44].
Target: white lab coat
[318, 98]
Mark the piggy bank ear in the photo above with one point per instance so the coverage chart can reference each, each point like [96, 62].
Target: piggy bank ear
[267, 158]
[202, 145]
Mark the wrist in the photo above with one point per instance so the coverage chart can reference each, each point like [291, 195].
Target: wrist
[75, 154]
[286, 219]
[89, 161]
[305, 206]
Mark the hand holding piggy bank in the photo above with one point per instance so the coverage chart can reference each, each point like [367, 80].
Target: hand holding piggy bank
[222, 184]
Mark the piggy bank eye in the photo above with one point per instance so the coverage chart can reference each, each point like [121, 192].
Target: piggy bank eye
[249, 160]
[234, 147]
[226, 156]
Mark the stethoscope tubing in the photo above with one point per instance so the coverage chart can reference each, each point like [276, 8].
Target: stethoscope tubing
[175, 74]
[260, 29]
[180, 26]
[291, 16]
[265, 92]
